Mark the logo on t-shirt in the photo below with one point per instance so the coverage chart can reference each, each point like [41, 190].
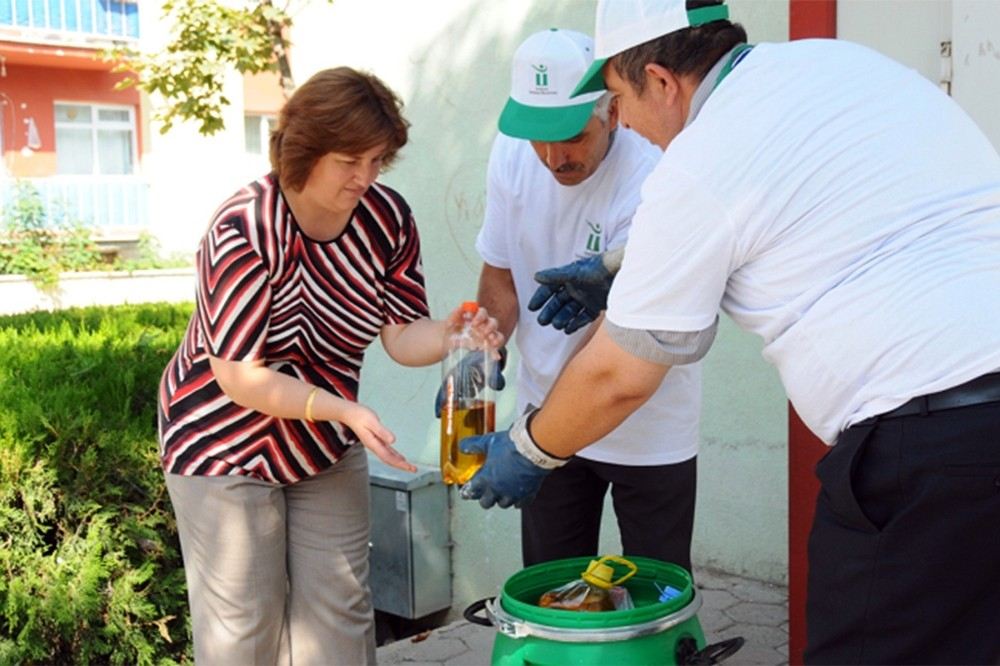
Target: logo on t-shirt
[593, 239]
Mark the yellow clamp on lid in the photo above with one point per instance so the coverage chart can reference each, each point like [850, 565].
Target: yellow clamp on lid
[600, 574]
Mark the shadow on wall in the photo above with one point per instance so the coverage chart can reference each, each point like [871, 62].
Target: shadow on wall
[460, 83]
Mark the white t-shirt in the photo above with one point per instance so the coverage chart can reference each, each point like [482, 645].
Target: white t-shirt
[532, 223]
[843, 208]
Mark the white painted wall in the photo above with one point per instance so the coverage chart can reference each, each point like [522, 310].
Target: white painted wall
[449, 61]
[976, 62]
[191, 174]
[451, 67]
[172, 285]
[911, 31]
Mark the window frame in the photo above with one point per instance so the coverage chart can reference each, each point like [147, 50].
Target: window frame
[95, 125]
[267, 121]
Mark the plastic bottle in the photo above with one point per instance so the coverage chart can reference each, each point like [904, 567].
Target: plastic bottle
[468, 409]
[595, 590]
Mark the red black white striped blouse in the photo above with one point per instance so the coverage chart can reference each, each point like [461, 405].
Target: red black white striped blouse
[306, 308]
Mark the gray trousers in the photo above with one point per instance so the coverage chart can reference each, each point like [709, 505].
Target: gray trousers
[278, 575]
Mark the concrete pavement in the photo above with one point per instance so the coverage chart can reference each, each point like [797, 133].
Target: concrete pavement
[732, 606]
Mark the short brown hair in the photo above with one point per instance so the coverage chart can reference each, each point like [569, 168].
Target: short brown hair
[688, 51]
[339, 110]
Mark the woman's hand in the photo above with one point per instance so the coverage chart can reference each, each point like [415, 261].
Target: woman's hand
[485, 329]
[374, 436]
[423, 342]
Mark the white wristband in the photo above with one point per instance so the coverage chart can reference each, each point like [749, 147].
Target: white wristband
[527, 447]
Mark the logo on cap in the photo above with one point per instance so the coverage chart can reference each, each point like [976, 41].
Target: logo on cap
[541, 76]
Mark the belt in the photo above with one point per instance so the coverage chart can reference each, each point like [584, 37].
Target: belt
[978, 391]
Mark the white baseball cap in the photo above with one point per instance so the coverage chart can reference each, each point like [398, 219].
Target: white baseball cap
[546, 67]
[622, 24]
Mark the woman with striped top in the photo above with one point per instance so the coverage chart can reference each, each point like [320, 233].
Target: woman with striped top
[298, 273]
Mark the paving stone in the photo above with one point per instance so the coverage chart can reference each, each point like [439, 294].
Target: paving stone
[709, 579]
[769, 614]
[714, 621]
[756, 655]
[770, 637]
[478, 639]
[434, 648]
[760, 592]
[717, 599]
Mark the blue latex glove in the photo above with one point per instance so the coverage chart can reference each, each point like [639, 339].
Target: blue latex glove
[471, 369]
[572, 296]
[506, 478]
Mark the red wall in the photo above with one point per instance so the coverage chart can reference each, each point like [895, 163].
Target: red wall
[33, 90]
[806, 18]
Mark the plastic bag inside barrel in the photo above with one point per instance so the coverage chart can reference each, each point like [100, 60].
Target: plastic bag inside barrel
[595, 590]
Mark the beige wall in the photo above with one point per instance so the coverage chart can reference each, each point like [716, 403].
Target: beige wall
[449, 60]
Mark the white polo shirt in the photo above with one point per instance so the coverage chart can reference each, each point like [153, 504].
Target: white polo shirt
[843, 208]
[532, 223]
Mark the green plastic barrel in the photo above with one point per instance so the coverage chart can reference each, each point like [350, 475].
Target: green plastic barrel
[653, 632]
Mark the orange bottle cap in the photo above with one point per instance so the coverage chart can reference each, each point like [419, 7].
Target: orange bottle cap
[470, 306]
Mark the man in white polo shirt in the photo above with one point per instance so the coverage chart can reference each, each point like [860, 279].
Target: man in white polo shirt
[848, 212]
[563, 183]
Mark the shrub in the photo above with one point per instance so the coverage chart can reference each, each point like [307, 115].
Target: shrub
[91, 562]
[40, 248]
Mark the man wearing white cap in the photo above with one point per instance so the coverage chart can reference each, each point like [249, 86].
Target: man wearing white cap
[848, 212]
[563, 183]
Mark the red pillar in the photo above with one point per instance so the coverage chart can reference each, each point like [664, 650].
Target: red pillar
[806, 18]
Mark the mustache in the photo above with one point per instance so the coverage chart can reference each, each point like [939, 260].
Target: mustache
[569, 167]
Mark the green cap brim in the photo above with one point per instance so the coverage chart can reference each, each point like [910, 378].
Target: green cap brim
[536, 123]
[593, 79]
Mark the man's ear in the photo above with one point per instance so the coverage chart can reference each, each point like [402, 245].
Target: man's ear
[613, 113]
[662, 82]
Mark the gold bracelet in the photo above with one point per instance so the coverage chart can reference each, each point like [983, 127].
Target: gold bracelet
[309, 403]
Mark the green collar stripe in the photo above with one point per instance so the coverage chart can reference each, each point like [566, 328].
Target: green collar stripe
[704, 15]
[734, 59]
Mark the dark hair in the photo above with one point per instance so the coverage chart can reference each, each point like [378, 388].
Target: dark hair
[688, 51]
[339, 110]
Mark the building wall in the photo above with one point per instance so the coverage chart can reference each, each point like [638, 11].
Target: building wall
[450, 67]
[30, 91]
[920, 28]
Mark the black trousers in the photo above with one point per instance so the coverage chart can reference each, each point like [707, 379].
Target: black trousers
[904, 555]
[654, 506]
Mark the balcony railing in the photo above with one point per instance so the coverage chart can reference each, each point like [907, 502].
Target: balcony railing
[72, 21]
[107, 203]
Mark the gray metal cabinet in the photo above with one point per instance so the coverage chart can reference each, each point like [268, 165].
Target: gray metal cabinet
[410, 545]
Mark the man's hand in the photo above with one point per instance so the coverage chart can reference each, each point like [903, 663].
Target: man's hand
[507, 478]
[470, 371]
[575, 294]
[514, 469]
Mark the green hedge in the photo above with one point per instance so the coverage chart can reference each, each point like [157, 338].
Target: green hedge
[91, 565]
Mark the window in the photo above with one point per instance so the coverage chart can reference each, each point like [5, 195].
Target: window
[257, 133]
[94, 139]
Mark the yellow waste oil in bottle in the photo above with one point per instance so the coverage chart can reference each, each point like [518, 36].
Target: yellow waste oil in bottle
[468, 406]
[477, 419]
